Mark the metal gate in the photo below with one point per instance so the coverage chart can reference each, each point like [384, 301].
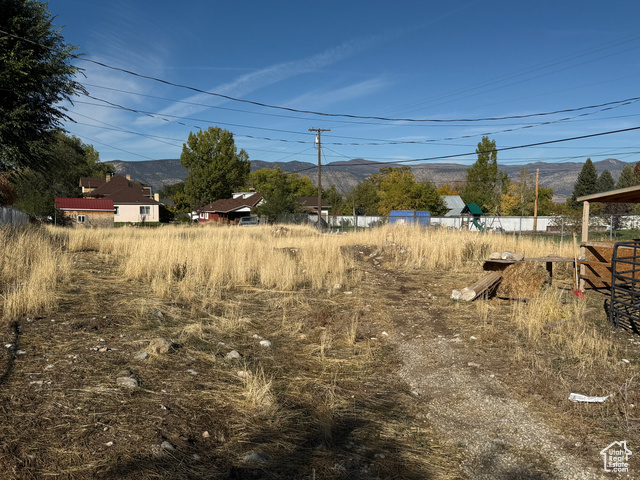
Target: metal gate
[624, 309]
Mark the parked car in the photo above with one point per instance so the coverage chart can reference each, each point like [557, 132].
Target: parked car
[251, 221]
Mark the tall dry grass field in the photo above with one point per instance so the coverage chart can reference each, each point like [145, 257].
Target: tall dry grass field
[32, 264]
[192, 260]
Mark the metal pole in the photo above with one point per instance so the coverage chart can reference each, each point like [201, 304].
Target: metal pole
[561, 232]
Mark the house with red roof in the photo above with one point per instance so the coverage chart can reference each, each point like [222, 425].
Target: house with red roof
[132, 202]
[229, 210]
[85, 212]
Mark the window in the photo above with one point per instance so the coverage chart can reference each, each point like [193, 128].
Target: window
[117, 210]
[80, 218]
[145, 210]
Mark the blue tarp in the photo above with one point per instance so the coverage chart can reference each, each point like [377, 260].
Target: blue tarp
[417, 217]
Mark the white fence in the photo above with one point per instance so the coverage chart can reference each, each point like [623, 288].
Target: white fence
[11, 216]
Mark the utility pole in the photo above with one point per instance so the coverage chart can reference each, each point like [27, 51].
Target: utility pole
[319, 131]
[535, 204]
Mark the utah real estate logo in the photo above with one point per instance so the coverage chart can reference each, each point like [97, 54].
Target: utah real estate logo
[616, 457]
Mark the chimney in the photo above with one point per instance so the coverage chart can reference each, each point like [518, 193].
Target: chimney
[156, 197]
[128, 177]
[108, 177]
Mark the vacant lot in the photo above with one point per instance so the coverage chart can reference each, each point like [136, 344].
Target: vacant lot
[281, 353]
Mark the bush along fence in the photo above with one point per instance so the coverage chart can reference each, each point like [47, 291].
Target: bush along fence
[13, 217]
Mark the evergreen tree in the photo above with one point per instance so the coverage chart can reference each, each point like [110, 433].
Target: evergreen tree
[627, 177]
[36, 76]
[586, 183]
[605, 182]
[485, 184]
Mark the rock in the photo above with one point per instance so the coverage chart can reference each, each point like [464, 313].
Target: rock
[192, 372]
[124, 373]
[141, 356]
[21, 352]
[205, 434]
[456, 294]
[379, 455]
[265, 343]
[233, 355]
[243, 374]
[49, 367]
[157, 313]
[384, 334]
[127, 382]
[109, 444]
[495, 256]
[196, 457]
[256, 457]
[473, 364]
[472, 337]
[337, 286]
[160, 346]
[256, 336]
[167, 446]
[518, 257]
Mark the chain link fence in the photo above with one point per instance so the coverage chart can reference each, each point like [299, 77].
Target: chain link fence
[559, 228]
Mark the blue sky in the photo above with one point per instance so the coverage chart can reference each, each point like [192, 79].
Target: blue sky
[417, 60]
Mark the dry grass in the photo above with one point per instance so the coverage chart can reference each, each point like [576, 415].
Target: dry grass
[322, 400]
[32, 264]
[523, 280]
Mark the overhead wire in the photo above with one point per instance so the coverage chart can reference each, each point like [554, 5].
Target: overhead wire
[312, 112]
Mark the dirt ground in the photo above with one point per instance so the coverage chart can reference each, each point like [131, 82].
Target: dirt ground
[428, 391]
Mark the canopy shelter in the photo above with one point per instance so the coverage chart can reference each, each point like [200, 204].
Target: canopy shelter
[596, 268]
[621, 195]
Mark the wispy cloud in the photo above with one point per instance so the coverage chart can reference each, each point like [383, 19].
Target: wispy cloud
[319, 99]
[278, 72]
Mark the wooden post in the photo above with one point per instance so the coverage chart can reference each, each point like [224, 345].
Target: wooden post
[584, 239]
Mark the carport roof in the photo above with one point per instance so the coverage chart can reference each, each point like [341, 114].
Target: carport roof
[621, 195]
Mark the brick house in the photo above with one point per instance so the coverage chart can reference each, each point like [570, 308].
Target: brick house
[229, 210]
[133, 203]
[85, 212]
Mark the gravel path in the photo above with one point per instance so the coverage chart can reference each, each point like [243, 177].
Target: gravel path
[499, 436]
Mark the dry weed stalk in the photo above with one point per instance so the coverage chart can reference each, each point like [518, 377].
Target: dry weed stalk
[561, 323]
[31, 267]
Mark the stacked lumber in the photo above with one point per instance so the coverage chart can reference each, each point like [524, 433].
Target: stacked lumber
[485, 285]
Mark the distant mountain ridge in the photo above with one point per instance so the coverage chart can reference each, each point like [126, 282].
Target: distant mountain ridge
[346, 175]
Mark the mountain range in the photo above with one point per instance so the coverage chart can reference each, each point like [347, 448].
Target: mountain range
[346, 175]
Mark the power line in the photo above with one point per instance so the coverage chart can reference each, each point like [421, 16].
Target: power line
[443, 157]
[311, 112]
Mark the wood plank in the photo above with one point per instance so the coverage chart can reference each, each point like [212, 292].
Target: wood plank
[484, 285]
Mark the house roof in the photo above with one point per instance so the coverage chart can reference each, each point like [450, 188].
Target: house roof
[123, 191]
[621, 195]
[226, 205]
[92, 204]
[91, 182]
[312, 202]
[454, 203]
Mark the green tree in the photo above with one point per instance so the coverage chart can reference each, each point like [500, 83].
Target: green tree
[605, 182]
[627, 177]
[363, 199]
[586, 183]
[214, 167]
[335, 200]
[68, 159]
[280, 190]
[36, 77]
[398, 190]
[485, 184]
